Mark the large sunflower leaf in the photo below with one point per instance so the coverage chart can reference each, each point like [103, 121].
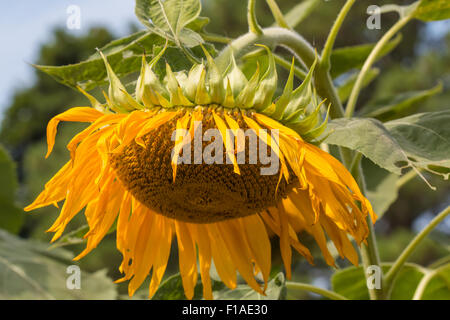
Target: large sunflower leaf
[30, 271]
[348, 58]
[125, 57]
[432, 10]
[169, 19]
[418, 141]
[11, 217]
[381, 186]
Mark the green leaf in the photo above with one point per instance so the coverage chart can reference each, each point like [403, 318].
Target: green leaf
[172, 289]
[348, 58]
[276, 290]
[169, 18]
[124, 55]
[198, 24]
[432, 10]
[381, 186]
[400, 105]
[425, 138]
[8, 175]
[77, 236]
[351, 283]
[11, 217]
[30, 271]
[438, 287]
[71, 238]
[300, 12]
[418, 141]
[345, 89]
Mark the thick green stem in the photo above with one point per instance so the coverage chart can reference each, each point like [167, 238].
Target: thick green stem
[215, 38]
[295, 43]
[399, 263]
[369, 251]
[351, 105]
[370, 257]
[310, 288]
[328, 48]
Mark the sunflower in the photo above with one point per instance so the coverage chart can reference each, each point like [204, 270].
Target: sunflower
[126, 168]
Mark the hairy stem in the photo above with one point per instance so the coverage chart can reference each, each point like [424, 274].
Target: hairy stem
[215, 38]
[399, 263]
[295, 43]
[310, 288]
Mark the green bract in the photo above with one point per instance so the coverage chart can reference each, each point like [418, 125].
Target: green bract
[206, 84]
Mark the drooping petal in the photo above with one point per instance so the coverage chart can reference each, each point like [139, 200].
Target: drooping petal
[188, 258]
[77, 114]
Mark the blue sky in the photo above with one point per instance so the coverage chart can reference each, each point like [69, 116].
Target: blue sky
[25, 24]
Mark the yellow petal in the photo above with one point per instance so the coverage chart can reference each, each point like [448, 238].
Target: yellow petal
[77, 114]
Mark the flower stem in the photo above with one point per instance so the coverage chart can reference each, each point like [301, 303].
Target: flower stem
[370, 61]
[251, 17]
[310, 288]
[215, 38]
[369, 251]
[326, 53]
[370, 257]
[398, 264]
[295, 43]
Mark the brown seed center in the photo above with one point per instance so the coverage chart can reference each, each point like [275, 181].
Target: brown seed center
[201, 193]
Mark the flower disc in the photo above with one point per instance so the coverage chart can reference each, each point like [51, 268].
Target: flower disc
[201, 193]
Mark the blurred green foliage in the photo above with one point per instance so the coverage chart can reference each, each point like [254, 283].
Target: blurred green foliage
[11, 216]
[29, 271]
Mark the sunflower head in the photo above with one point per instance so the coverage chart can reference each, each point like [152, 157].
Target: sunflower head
[177, 158]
